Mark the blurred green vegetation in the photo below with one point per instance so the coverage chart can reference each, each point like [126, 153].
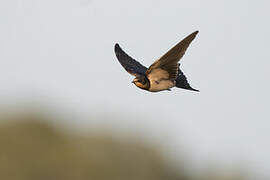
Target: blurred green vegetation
[31, 148]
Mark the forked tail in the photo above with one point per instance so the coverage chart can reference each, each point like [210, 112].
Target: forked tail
[181, 81]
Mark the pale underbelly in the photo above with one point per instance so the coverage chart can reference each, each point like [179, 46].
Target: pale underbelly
[161, 85]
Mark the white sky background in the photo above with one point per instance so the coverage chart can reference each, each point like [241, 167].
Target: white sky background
[61, 51]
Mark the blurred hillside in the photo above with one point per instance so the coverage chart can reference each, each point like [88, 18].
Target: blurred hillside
[33, 149]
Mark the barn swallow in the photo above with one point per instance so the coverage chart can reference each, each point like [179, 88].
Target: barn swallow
[164, 73]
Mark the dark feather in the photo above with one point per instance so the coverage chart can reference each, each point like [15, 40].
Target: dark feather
[131, 65]
[181, 81]
[169, 61]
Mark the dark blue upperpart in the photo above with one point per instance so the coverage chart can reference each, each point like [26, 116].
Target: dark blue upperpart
[131, 65]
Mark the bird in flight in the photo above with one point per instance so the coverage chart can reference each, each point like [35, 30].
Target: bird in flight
[164, 73]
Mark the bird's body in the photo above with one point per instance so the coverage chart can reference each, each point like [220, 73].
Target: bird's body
[159, 80]
[163, 74]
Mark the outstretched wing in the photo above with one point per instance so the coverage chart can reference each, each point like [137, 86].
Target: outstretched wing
[169, 61]
[131, 65]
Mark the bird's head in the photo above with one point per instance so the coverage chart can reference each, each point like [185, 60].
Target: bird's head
[141, 82]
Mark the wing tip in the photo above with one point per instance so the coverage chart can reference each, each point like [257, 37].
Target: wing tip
[195, 33]
[116, 46]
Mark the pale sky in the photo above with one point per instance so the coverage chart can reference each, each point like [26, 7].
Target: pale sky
[61, 53]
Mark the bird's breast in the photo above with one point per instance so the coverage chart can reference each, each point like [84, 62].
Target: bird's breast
[156, 86]
[159, 80]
